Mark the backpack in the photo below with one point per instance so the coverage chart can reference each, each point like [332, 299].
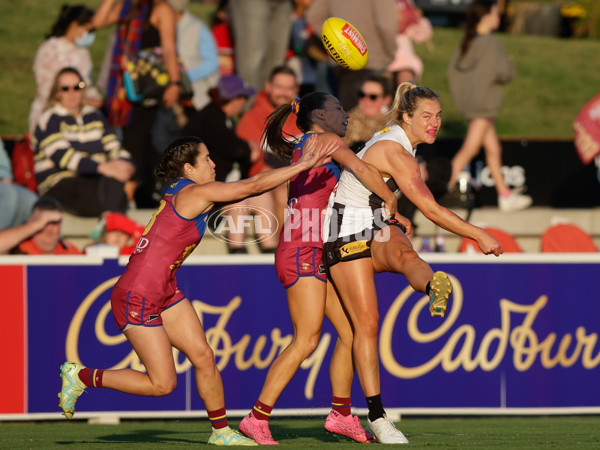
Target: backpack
[22, 164]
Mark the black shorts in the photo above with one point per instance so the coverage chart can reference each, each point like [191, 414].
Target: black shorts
[356, 246]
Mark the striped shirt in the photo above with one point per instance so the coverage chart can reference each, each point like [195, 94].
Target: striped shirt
[68, 146]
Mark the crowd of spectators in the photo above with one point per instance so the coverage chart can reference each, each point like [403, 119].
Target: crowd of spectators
[95, 148]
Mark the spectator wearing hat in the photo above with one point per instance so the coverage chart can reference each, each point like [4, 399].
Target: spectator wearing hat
[40, 235]
[215, 125]
[116, 230]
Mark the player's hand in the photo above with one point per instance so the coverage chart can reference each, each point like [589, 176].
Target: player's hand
[171, 95]
[117, 168]
[391, 206]
[315, 153]
[405, 222]
[489, 245]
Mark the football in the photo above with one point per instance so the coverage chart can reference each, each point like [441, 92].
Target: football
[344, 43]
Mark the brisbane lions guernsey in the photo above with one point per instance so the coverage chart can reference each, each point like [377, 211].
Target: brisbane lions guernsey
[307, 200]
[167, 241]
[353, 207]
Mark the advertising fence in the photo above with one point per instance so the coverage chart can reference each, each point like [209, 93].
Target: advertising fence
[521, 332]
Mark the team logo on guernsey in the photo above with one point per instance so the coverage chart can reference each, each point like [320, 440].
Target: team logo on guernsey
[306, 267]
[384, 130]
[141, 245]
[353, 248]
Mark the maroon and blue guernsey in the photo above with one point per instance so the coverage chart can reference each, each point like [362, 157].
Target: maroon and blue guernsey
[167, 241]
[307, 201]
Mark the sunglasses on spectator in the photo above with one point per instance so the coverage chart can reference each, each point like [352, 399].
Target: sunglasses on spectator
[361, 94]
[79, 86]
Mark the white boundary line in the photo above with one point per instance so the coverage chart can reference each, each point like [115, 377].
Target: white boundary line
[258, 259]
[394, 413]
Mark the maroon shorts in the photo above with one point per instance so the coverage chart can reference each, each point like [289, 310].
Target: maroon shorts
[291, 263]
[130, 308]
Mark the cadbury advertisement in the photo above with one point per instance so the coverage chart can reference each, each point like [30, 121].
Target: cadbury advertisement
[517, 334]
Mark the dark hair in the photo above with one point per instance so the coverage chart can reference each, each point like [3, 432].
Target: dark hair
[69, 14]
[181, 151]
[47, 203]
[407, 99]
[276, 139]
[281, 69]
[475, 11]
[384, 82]
[217, 18]
[54, 89]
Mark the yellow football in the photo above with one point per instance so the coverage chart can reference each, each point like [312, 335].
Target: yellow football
[344, 43]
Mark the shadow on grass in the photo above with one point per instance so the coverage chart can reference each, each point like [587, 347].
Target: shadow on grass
[157, 436]
[282, 432]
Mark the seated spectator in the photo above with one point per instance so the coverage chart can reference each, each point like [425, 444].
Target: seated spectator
[40, 235]
[79, 160]
[280, 89]
[214, 125]
[65, 46]
[369, 116]
[16, 201]
[117, 230]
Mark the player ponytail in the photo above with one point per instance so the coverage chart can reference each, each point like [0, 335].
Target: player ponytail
[277, 141]
[407, 100]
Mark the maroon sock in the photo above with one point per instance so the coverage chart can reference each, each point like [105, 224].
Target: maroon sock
[341, 405]
[218, 418]
[261, 411]
[91, 377]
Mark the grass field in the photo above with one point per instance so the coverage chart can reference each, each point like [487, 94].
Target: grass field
[465, 433]
[555, 76]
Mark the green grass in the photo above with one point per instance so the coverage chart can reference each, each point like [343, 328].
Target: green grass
[474, 433]
[24, 25]
[555, 76]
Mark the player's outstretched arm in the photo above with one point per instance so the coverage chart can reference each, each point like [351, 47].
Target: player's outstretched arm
[313, 155]
[197, 199]
[405, 171]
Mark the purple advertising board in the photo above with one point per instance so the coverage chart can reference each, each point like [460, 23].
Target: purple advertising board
[519, 333]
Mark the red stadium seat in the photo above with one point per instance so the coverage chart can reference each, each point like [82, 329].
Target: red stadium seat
[566, 237]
